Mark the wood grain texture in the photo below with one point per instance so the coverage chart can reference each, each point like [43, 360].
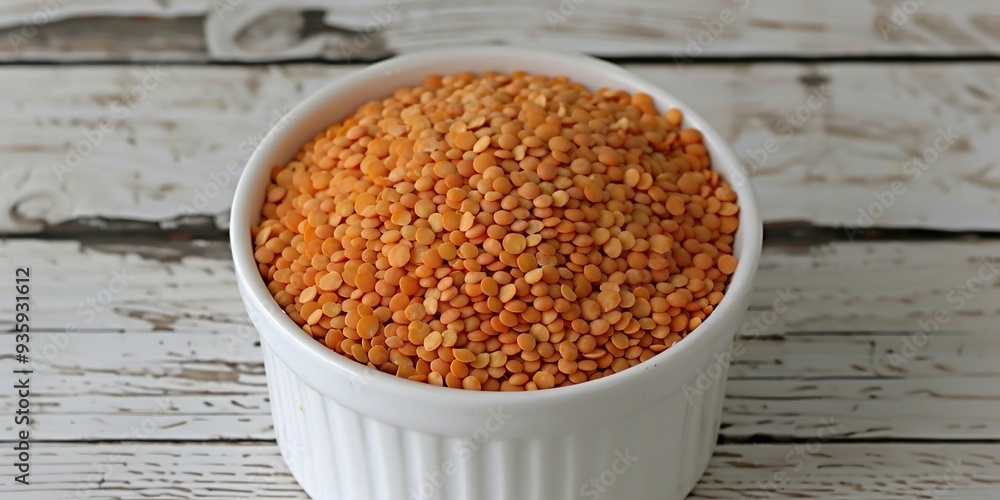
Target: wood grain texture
[255, 470]
[851, 288]
[686, 28]
[98, 30]
[834, 333]
[106, 147]
[816, 469]
[147, 386]
[259, 30]
[193, 386]
[229, 471]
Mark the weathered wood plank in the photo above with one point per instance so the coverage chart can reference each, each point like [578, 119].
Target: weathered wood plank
[816, 469]
[256, 470]
[154, 470]
[155, 386]
[957, 407]
[61, 30]
[373, 28]
[184, 287]
[176, 149]
[884, 288]
[146, 386]
[844, 343]
[255, 30]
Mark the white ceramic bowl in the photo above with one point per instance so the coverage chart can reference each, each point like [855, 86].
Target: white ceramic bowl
[353, 433]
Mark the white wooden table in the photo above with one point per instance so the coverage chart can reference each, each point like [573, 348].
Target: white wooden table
[117, 169]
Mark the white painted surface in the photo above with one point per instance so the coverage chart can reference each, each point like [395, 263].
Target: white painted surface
[211, 386]
[175, 150]
[876, 287]
[244, 470]
[255, 30]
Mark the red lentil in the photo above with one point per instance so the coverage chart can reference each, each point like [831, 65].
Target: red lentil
[500, 232]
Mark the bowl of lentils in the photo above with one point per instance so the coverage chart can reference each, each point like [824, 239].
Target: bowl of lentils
[495, 273]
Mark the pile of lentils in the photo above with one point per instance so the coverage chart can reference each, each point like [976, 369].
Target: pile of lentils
[499, 232]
